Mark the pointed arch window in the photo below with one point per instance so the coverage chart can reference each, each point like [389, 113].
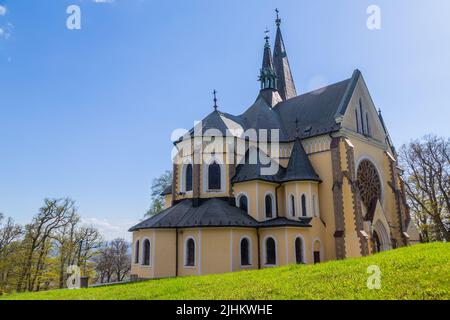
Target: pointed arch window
[245, 252]
[214, 179]
[188, 178]
[136, 252]
[269, 206]
[304, 212]
[271, 254]
[146, 253]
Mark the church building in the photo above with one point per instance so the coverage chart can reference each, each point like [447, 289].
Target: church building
[335, 193]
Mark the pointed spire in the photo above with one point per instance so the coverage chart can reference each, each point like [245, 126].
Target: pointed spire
[299, 167]
[267, 76]
[286, 85]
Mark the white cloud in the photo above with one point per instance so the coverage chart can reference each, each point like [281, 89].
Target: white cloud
[5, 32]
[2, 10]
[103, 1]
[108, 229]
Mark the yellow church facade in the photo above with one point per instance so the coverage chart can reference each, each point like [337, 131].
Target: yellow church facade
[335, 192]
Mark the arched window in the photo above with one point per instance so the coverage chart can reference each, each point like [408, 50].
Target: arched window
[271, 253]
[304, 212]
[188, 178]
[245, 252]
[214, 182]
[190, 253]
[146, 253]
[243, 203]
[299, 251]
[136, 252]
[292, 205]
[269, 208]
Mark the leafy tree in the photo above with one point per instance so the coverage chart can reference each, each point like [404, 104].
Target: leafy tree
[158, 186]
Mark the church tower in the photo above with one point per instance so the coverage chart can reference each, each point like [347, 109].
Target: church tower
[286, 86]
[267, 75]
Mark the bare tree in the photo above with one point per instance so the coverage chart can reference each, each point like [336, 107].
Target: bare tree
[114, 261]
[427, 175]
[9, 233]
[89, 241]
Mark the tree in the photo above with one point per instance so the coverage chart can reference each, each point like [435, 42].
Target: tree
[158, 186]
[426, 165]
[10, 235]
[55, 214]
[114, 261]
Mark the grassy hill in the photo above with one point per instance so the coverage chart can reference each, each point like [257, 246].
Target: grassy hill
[417, 272]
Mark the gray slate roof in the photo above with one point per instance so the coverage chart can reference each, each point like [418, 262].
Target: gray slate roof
[299, 169]
[211, 213]
[316, 112]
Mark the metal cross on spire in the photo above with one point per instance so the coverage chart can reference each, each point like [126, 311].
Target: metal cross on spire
[296, 128]
[215, 100]
[278, 21]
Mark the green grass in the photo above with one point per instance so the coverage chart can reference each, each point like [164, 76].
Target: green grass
[417, 272]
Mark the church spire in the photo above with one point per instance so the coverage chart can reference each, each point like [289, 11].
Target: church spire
[286, 86]
[267, 76]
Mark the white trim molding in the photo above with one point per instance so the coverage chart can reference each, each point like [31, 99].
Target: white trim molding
[303, 243]
[274, 209]
[238, 198]
[143, 252]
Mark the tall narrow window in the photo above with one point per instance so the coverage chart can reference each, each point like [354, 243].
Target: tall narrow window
[363, 130]
[146, 253]
[304, 212]
[190, 253]
[136, 252]
[292, 205]
[243, 203]
[314, 203]
[298, 251]
[357, 120]
[367, 124]
[269, 212]
[271, 254]
[189, 177]
[245, 252]
[214, 182]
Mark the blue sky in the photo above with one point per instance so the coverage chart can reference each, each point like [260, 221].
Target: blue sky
[89, 113]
